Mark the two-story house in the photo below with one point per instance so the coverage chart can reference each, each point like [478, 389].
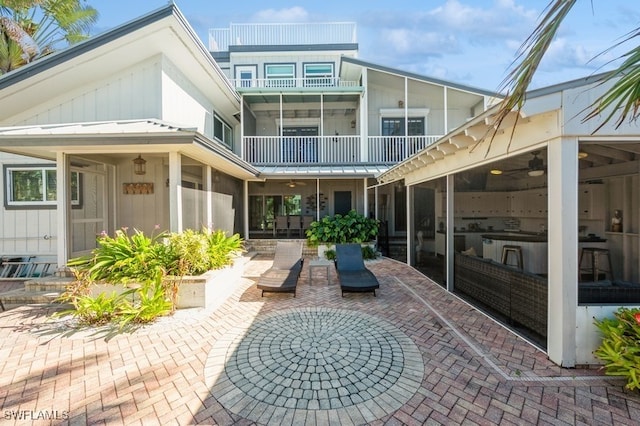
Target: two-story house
[319, 124]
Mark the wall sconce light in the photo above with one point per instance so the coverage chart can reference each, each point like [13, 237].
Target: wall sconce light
[139, 165]
[353, 124]
[400, 104]
[582, 155]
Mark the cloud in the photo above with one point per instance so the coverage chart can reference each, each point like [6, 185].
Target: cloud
[289, 15]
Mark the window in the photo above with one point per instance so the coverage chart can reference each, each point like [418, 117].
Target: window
[246, 75]
[222, 131]
[280, 75]
[36, 186]
[395, 126]
[318, 75]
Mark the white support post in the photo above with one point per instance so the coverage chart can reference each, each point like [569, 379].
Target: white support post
[63, 177]
[208, 190]
[175, 192]
[376, 197]
[410, 225]
[245, 189]
[406, 118]
[449, 237]
[364, 120]
[446, 110]
[562, 166]
[365, 197]
[318, 200]
[242, 128]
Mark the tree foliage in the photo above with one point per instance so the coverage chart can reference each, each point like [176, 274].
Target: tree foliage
[30, 29]
[620, 103]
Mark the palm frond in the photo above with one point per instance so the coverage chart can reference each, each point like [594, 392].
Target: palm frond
[623, 98]
[528, 59]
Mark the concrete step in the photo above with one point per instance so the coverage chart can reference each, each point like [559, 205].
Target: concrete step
[48, 284]
[21, 297]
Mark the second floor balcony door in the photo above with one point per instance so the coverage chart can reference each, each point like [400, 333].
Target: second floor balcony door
[300, 144]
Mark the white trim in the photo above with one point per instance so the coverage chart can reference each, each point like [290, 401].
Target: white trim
[400, 112]
[298, 122]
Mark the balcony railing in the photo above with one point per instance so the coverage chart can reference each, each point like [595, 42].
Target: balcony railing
[264, 150]
[287, 83]
[281, 34]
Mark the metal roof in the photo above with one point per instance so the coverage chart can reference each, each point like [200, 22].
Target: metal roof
[337, 171]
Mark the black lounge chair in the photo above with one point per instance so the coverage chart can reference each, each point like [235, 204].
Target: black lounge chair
[283, 275]
[354, 276]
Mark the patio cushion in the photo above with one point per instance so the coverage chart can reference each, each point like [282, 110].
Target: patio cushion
[353, 275]
[285, 271]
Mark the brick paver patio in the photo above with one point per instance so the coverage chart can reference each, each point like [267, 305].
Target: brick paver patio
[413, 355]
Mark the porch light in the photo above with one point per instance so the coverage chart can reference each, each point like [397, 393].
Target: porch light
[139, 165]
[535, 173]
[495, 171]
[582, 155]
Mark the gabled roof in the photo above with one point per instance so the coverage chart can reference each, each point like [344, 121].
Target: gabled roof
[350, 69]
[164, 31]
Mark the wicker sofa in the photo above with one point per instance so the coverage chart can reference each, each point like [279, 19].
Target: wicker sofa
[520, 296]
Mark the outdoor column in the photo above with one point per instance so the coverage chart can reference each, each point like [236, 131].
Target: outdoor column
[562, 169]
[245, 190]
[175, 192]
[410, 225]
[208, 189]
[63, 177]
[449, 237]
[318, 199]
[364, 120]
[376, 196]
[365, 198]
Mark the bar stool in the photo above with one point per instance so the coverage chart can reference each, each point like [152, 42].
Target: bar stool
[517, 250]
[594, 267]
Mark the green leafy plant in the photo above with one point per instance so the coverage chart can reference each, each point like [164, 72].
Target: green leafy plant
[350, 228]
[620, 348]
[368, 253]
[330, 254]
[152, 266]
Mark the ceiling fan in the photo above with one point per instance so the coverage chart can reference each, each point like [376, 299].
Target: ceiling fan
[293, 183]
[536, 167]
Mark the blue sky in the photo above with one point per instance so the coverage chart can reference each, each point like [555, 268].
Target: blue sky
[470, 42]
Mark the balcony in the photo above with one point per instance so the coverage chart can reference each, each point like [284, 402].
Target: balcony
[281, 34]
[269, 150]
[292, 83]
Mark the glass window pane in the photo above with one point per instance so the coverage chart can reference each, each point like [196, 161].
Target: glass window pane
[26, 185]
[51, 187]
[279, 70]
[311, 70]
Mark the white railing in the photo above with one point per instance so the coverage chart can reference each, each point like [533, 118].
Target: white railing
[331, 149]
[393, 149]
[302, 149]
[281, 34]
[285, 83]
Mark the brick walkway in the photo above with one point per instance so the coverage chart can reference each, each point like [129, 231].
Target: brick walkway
[412, 355]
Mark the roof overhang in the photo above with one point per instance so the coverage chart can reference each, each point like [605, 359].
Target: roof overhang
[316, 171]
[104, 139]
[162, 32]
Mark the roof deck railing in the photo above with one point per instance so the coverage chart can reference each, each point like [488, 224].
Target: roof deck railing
[281, 34]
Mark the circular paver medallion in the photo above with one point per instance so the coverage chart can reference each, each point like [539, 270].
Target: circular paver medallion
[335, 365]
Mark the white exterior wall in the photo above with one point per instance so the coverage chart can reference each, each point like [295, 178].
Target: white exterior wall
[130, 94]
[297, 57]
[25, 232]
[183, 103]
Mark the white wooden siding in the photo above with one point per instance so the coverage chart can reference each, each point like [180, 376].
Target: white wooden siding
[130, 94]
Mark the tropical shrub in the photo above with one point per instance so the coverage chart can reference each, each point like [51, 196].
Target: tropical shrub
[154, 263]
[350, 228]
[620, 348]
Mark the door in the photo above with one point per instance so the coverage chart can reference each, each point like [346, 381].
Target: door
[246, 76]
[300, 144]
[342, 202]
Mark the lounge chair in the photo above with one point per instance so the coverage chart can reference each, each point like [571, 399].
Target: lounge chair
[353, 275]
[283, 275]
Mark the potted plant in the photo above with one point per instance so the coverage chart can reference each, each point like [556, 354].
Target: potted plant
[340, 229]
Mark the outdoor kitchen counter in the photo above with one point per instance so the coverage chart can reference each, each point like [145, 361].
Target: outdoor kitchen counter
[533, 246]
[531, 237]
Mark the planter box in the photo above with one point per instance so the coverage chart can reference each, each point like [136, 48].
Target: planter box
[322, 248]
[208, 290]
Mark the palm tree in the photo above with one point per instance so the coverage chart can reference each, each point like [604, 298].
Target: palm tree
[33, 28]
[621, 101]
